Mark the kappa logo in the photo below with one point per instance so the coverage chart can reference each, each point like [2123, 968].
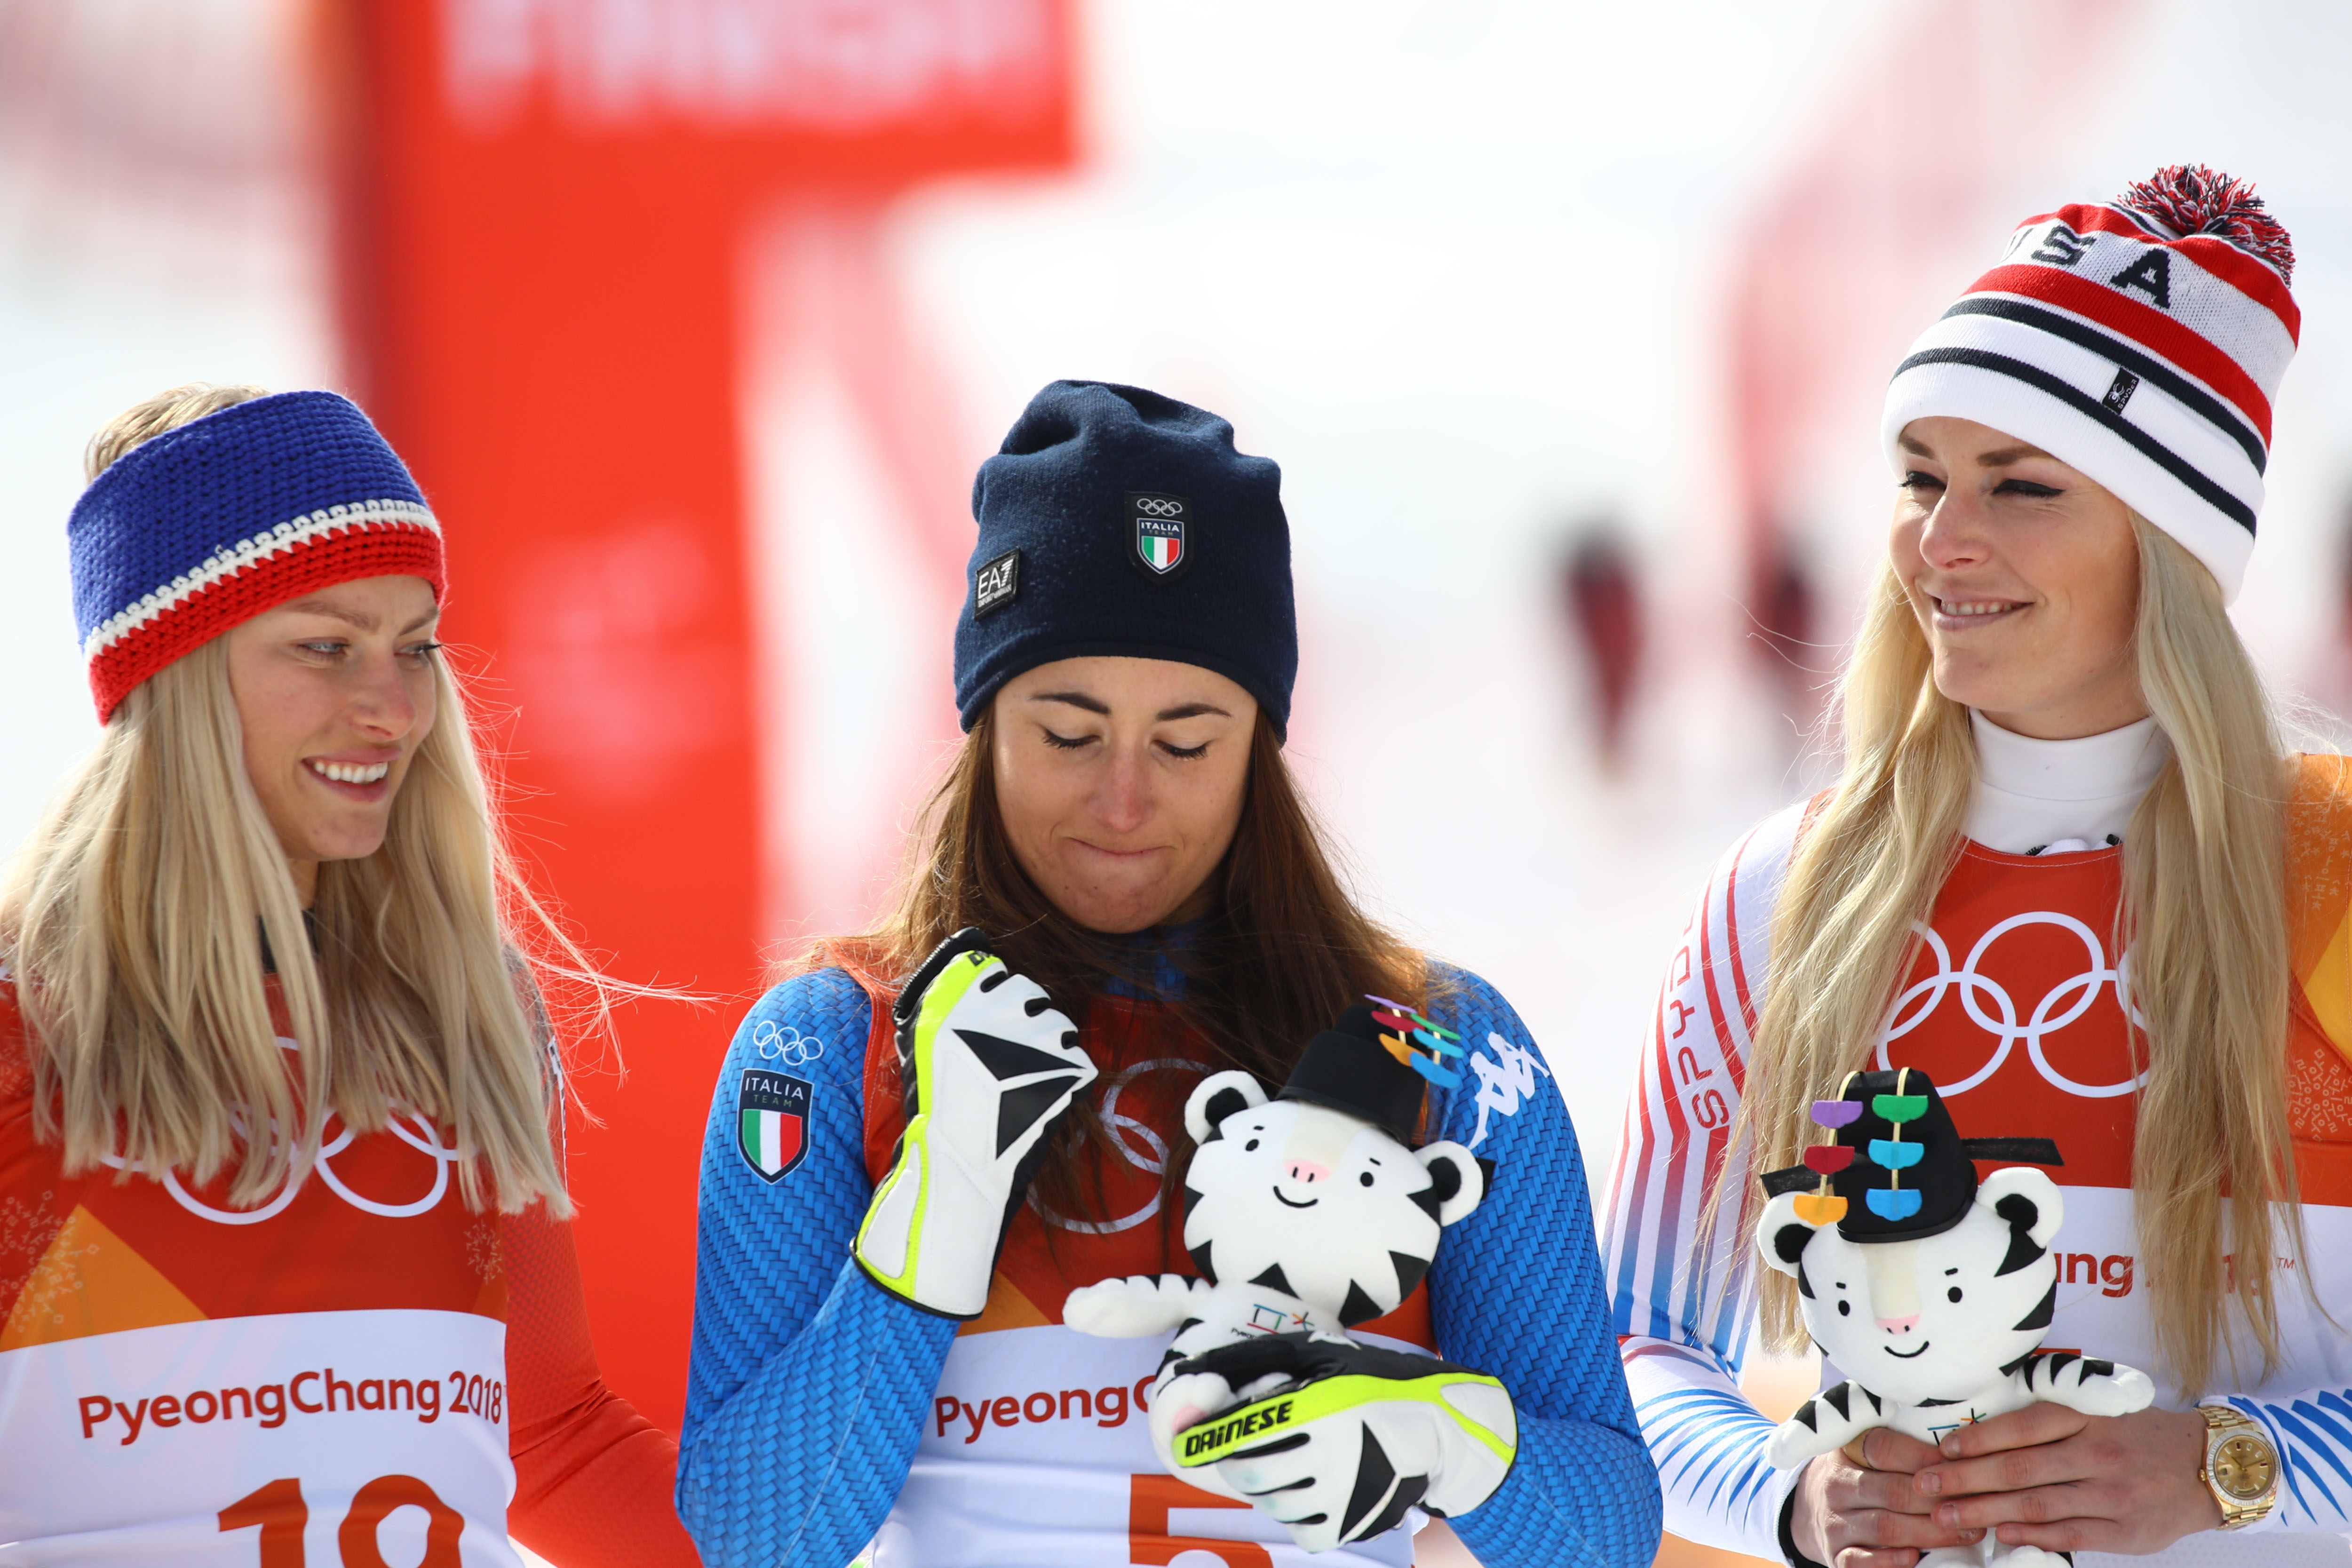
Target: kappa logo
[1157, 528]
[771, 1110]
[996, 584]
[1501, 1085]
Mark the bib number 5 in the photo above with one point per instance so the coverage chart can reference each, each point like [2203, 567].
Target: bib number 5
[282, 1515]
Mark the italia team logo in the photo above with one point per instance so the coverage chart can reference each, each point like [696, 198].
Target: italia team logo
[1156, 524]
[772, 1121]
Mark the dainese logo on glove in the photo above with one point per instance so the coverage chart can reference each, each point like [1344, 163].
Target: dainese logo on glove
[1206, 1444]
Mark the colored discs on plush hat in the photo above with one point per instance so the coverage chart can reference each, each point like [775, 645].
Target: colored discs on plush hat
[1417, 1041]
[1820, 1209]
[1898, 1169]
[1898, 1163]
[1359, 1068]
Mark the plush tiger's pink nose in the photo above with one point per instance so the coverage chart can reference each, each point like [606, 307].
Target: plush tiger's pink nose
[1307, 1172]
[1900, 1325]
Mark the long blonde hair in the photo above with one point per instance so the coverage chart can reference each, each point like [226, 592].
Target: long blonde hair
[134, 921]
[2204, 919]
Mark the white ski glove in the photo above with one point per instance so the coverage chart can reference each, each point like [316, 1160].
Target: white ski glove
[1338, 1440]
[989, 1067]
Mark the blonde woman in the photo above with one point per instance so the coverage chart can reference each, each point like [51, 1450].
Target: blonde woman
[2071, 873]
[284, 1270]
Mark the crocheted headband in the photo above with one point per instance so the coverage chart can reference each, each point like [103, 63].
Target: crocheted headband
[210, 524]
[2141, 341]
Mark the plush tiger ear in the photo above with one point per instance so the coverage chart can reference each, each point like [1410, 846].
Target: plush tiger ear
[2027, 1201]
[1780, 1235]
[1219, 1096]
[1456, 1179]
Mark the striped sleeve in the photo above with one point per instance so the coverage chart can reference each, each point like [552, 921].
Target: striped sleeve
[1709, 1443]
[1684, 1307]
[2312, 1434]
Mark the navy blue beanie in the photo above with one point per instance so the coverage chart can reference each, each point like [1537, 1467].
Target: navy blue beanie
[1114, 521]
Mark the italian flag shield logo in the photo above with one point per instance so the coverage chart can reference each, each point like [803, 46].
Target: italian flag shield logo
[1157, 523]
[1160, 542]
[772, 1121]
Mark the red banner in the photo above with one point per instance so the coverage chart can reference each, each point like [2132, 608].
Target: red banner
[541, 209]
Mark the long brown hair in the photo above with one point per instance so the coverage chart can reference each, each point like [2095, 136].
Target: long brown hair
[1283, 953]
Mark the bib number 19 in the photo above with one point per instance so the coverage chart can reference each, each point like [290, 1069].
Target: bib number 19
[278, 1511]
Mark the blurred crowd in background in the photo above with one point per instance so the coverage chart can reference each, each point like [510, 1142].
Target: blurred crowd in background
[1567, 323]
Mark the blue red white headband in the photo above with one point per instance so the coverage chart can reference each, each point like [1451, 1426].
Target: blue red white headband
[210, 524]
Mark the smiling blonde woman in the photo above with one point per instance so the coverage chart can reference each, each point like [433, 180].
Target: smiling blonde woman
[282, 1238]
[2071, 873]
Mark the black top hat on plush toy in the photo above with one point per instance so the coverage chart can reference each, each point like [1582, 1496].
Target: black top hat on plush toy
[1898, 1170]
[1374, 1064]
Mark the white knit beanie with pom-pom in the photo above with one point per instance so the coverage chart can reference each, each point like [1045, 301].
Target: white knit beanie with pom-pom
[2141, 342]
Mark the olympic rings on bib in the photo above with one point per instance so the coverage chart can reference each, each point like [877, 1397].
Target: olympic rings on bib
[1151, 1162]
[2060, 1006]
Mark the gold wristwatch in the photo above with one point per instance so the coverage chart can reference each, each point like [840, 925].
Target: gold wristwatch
[2240, 1466]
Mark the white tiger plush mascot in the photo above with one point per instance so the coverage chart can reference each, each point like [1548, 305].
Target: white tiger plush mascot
[1301, 1218]
[1933, 1330]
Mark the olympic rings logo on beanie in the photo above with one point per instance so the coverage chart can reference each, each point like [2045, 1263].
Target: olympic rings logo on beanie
[208, 525]
[2140, 340]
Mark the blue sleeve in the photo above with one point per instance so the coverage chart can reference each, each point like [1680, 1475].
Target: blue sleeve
[808, 1386]
[1516, 1292]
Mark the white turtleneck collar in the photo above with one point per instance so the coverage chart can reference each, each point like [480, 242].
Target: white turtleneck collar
[2061, 796]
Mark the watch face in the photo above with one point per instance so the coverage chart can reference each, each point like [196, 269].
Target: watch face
[2245, 1467]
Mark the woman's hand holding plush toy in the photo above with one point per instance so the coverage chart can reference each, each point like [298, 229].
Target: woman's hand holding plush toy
[1871, 1515]
[2050, 1476]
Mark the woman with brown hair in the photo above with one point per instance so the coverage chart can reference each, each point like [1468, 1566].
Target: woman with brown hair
[2070, 874]
[879, 1348]
[286, 1262]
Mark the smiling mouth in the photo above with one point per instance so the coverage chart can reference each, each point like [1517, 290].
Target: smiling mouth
[1287, 1203]
[1975, 609]
[362, 773]
[1899, 1355]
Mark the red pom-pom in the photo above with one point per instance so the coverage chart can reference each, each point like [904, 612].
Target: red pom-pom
[2190, 199]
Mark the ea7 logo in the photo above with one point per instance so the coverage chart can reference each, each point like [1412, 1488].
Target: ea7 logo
[772, 1112]
[996, 584]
